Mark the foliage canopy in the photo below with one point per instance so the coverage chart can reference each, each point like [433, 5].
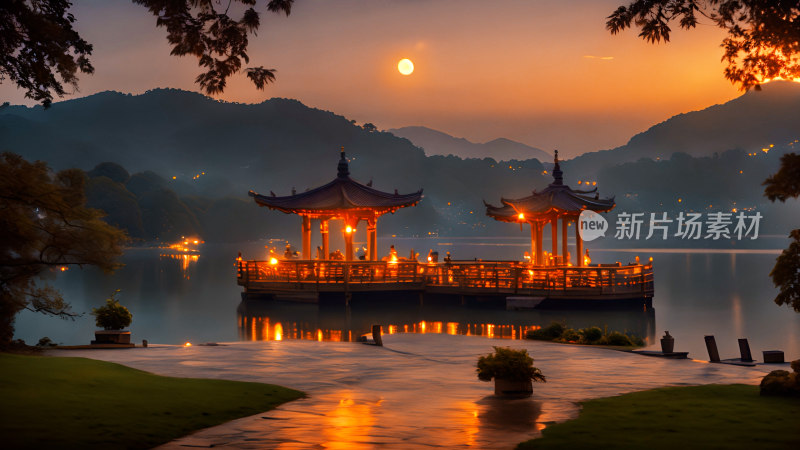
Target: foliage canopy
[763, 40]
[112, 315]
[41, 52]
[508, 364]
[45, 227]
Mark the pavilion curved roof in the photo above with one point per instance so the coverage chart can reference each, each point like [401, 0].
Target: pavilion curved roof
[556, 197]
[340, 195]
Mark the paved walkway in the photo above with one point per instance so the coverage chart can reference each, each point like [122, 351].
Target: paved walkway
[419, 391]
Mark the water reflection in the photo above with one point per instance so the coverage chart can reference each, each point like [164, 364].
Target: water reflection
[266, 320]
[185, 261]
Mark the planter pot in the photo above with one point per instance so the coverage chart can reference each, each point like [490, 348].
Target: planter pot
[513, 388]
[667, 343]
[111, 337]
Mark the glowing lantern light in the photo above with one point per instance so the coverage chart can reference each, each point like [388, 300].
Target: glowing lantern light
[521, 216]
[273, 261]
[348, 229]
[188, 344]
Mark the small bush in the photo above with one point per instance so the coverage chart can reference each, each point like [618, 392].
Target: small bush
[591, 335]
[112, 315]
[46, 342]
[508, 364]
[782, 383]
[571, 336]
[548, 333]
[617, 338]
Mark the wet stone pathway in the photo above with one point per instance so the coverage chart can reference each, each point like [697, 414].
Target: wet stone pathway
[418, 391]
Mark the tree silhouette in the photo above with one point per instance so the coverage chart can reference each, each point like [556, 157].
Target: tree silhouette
[44, 227]
[783, 185]
[763, 39]
[40, 51]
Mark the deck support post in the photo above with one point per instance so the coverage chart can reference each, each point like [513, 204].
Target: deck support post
[554, 237]
[564, 253]
[307, 238]
[578, 243]
[323, 229]
[372, 239]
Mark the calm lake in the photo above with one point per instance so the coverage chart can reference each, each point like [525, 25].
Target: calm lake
[180, 298]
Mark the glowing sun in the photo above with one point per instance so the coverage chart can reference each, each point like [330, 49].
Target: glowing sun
[405, 66]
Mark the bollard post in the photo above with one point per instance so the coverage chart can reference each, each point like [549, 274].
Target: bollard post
[376, 335]
[744, 350]
[711, 346]
[144, 343]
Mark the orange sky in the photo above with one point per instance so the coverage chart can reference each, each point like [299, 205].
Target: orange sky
[545, 73]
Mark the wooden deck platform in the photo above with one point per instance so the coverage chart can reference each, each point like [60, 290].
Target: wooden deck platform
[311, 280]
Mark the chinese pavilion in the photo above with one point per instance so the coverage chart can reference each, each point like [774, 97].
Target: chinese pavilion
[344, 199]
[556, 201]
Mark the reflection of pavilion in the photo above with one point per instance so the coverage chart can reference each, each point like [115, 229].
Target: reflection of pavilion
[344, 199]
[267, 321]
[556, 201]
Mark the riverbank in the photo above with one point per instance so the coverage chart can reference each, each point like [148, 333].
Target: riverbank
[710, 416]
[418, 391]
[51, 402]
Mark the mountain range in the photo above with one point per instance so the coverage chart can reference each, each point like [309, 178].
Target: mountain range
[435, 142]
[204, 155]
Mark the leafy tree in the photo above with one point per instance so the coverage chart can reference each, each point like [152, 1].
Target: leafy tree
[763, 40]
[44, 226]
[40, 51]
[781, 186]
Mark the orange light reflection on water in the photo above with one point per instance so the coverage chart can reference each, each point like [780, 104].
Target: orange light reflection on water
[259, 328]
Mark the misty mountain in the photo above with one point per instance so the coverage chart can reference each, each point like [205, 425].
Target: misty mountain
[184, 162]
[438, 143]
[750, 122]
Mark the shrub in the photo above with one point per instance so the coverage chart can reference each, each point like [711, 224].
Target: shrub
[508, 364]
[46, 342]
[570, 335]
[617, 338]
[112, 315]
[548, 333]
[782, 383]
[591, 335]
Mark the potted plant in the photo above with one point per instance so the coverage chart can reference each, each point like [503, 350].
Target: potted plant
[112, 318]
[512, 370]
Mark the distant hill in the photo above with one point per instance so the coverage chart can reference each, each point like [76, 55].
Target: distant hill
[750, 122]
[438, 143]
[186, 161]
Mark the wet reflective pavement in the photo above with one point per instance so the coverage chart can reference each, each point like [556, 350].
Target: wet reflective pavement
[418, 391]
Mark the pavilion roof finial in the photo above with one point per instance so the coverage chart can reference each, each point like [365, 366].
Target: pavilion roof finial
[558, 175]
[344, 169]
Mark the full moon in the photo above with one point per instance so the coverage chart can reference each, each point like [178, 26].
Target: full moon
[405, 66]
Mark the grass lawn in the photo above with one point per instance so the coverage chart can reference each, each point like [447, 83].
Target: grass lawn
[53, 402]
[682, 418]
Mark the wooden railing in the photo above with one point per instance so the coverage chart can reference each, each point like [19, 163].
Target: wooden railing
[477, 276]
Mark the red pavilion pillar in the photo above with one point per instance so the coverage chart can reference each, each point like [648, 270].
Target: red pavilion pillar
[307, 238]
[578, 243]
[564, 225]
[534, 244]
[554, 236]
[539, 243]
[372, 239]
[323, 229]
